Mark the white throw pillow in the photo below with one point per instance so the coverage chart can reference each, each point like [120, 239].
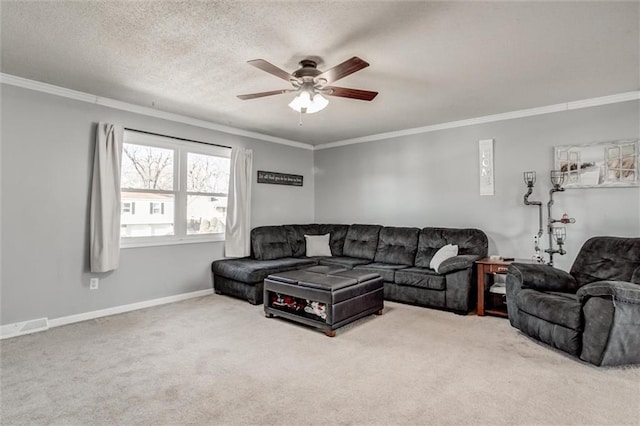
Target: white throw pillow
[318, 245]
[443, 254]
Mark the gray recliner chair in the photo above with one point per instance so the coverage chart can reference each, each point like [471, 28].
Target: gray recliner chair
[592, 312]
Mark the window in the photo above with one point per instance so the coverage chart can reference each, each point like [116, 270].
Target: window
[172, 191]
[206, 193]
[129, 208]
[156, 208]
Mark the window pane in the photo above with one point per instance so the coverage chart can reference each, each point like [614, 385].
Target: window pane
[628, 149]
[207, 173]
[206, 214]
[147, 167]
[153, 214]
[613, 152]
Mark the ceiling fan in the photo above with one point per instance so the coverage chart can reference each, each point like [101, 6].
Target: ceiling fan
[311, 84]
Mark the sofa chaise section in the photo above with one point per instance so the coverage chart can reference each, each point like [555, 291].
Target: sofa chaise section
[270, 253]
[244, 277]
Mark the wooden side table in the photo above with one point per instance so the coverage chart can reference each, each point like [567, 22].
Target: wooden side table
[487, 266]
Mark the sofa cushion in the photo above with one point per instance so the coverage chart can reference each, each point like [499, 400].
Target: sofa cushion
[346, 262]
[429, 242]
[397, 246]
[270, 242]
[469, 241]
[317, 245]
[295, 236]
[385, 270]
[338, 234]
[361, 241]
[296, 233]
[607, 259]
[557, 308]
[249, 270]
[420, 277]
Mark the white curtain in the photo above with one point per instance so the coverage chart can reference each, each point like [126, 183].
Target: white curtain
[238, 227]
[105, 198]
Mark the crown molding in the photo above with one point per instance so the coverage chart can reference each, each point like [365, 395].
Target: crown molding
[604, 100]
[151, 112]
[138, 109]
[584, 103]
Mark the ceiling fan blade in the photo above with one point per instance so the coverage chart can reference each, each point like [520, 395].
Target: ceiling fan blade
[263, 94]
[344, 92]
[271, 69]
[344, 69]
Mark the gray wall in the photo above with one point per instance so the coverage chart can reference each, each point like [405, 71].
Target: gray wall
[431, 179]
[47, 156]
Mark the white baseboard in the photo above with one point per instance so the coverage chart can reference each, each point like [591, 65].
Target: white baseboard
[26, 327]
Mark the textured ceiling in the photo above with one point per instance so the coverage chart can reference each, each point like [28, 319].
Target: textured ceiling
[432, 62]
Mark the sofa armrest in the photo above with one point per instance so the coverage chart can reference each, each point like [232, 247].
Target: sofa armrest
[611, 312]
[543, 277]
[620, 291]
[457, 263]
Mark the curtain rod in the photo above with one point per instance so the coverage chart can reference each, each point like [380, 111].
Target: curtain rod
[174, 137]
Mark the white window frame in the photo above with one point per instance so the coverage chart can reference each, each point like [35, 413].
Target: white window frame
[181, 150]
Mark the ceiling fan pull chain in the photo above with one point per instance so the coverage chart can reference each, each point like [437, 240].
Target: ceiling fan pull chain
[300, 123]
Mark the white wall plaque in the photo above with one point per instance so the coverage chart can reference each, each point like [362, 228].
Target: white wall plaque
[486, 166]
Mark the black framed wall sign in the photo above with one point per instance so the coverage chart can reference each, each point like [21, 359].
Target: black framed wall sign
[279, 178]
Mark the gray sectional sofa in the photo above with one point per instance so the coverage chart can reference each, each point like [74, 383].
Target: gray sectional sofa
[400, 255]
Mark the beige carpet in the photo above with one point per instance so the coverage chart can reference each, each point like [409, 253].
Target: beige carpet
[218, 360]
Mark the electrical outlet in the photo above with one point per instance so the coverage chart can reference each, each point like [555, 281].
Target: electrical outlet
[93, 283]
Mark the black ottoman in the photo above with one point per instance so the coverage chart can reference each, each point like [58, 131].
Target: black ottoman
[325, 297]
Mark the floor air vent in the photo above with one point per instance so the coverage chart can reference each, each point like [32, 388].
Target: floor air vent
[27, 327]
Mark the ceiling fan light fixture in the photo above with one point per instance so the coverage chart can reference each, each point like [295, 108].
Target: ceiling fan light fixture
[307, 104]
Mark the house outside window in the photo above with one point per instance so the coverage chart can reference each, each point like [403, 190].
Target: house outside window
[173, 192]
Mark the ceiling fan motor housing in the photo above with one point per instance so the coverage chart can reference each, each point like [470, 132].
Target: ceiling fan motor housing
[308, 70]
[305, 77]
